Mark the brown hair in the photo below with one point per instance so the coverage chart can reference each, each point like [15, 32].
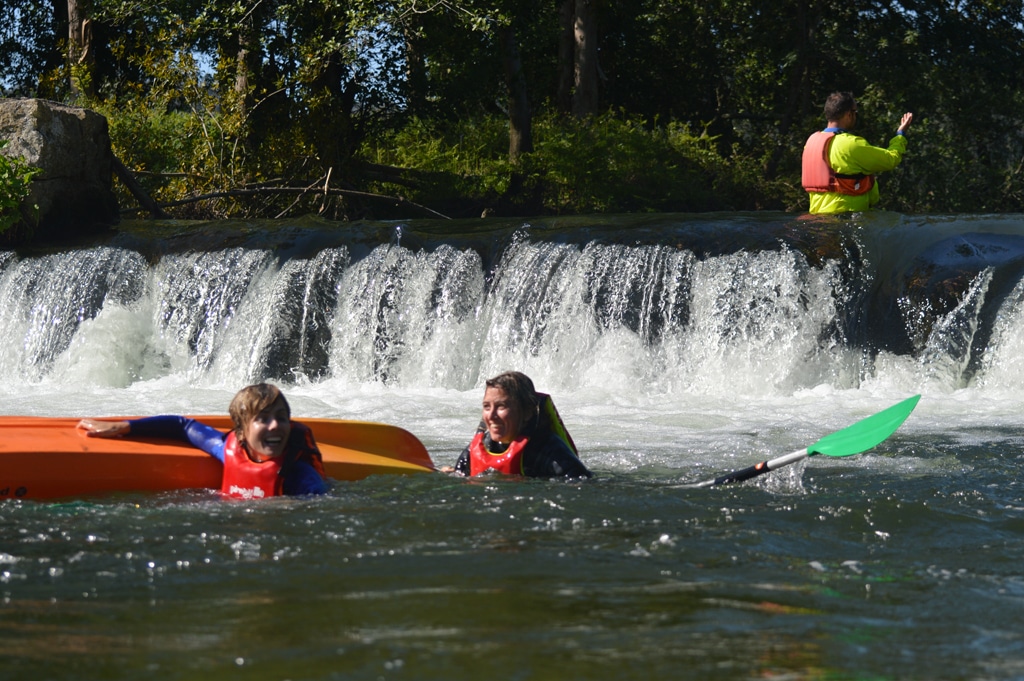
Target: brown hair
[519, 388]
[250, 401]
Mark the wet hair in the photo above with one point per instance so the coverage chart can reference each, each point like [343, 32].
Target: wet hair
[250, 401]
[520, 390]
[838, 104]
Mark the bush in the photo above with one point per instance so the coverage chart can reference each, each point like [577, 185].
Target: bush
[15, 182]
[605, 164]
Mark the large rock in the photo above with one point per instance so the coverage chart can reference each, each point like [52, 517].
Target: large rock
[72, 146]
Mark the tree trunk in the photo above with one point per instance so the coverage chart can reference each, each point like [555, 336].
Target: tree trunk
[330, 116]
[247, 65]
[242, 74]
[584, 100]
[566, 56]
[415, 73]
[80, 56]
[520, 135]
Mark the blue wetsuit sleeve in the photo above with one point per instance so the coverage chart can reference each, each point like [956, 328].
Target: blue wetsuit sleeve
[199, 435]
[301, 478]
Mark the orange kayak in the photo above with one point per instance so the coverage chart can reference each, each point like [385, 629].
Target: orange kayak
[48, 458]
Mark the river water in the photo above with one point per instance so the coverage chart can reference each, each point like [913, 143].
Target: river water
[676, 348]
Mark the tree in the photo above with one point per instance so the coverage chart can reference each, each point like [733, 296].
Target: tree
[81, 58]
[585, 67]
[233, 93]
[520, 134]
[29, 37]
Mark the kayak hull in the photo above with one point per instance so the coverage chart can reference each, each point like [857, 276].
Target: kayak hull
[48, 458]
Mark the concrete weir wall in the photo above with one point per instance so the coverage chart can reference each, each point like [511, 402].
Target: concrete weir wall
[72, 146]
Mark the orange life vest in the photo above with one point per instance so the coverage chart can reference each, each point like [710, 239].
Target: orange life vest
[818, 175]
[509, 462]
[247, 479]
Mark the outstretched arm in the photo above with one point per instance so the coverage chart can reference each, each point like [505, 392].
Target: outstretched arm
[201, 436]
[461, 466]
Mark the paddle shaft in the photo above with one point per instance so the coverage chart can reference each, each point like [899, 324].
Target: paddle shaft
[859, 437]
[757, 469]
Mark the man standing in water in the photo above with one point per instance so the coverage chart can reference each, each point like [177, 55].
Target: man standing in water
[839, 167]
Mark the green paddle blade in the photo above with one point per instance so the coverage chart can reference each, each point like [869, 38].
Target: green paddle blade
[866, 433]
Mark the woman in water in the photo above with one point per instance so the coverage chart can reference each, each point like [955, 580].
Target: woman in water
[267, 454]
[521, 434]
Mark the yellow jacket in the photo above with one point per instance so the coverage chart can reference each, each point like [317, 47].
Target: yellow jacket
[852, 155]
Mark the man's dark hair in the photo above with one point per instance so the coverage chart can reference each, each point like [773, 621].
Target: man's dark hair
[837, 104]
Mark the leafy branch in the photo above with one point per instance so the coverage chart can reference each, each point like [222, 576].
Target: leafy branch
[15, 183]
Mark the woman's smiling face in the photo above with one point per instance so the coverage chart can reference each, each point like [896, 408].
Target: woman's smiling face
[501, 415]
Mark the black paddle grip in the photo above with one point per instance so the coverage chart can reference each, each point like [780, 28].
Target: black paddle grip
[745, 474]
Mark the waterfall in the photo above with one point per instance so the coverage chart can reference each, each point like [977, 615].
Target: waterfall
[407, 317]
[655, 315]
[46, 300]
[1004, 364]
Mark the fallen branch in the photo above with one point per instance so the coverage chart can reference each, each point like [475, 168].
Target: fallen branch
[257, 191]
[295, 203]
[144, 199]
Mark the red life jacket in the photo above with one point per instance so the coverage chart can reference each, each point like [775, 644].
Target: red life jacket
[247, 479]
[818, 176]
[509, 462]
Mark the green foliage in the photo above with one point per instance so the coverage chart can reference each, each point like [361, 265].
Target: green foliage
[611, 163]
[465, 161]
[707, 104]
[15, 182]
[617, 164]
[29, 45]
[183, 151]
